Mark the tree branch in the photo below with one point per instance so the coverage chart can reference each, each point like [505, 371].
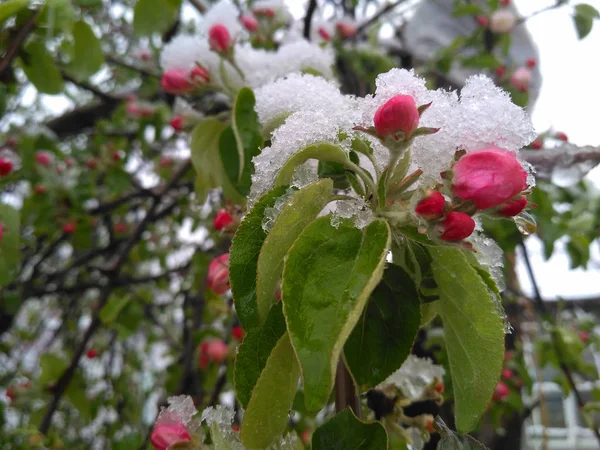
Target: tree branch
[15, 46]
[363, 26]
[312, 7]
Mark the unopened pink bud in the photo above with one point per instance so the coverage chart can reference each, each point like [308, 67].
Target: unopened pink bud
[249, 22]
[513, 207]
[399, 113]
[6, 167]
[457, 226]
[69, 227]
[43, 158]
[325, 35]
[222, 220]
[507, 374]
[432, 206]
[500, 71]
[488, 177]
[482, 21]
[176, 81]
[217, 350]
[164, 436]
[504, 2]
[531, 63]
[346, 30]
[502, 21]
[561, 136]
[501, 391]
[218, 274]
[200, 76]
[219, 38]
[264, 12]
[584, 336]
[537, 144]
[521, 79]
[177, 123]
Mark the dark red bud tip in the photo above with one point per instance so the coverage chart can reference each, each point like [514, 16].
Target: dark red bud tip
[457, 226]
[92, 353]
[537, 144]
[439, 387]
[237, 333]
[177, 123]
[482, 21]
[507, 374]
[561, 136]
[584, 336]
[43, 158]
[222, 220]
[531, 63]
[513, 207]
[249, 22]
[432, 206]
[500, 71]
[69, 227]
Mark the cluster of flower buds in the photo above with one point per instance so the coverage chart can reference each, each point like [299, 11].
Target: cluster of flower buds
[538, 143]
[181, 81]
[213, 350]
[218, 274]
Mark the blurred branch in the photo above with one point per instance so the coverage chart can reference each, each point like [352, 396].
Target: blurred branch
[386, 9]
[15, 45]
[141, 70]
[88, 87]
[199, 5]
[312, 7]
[539, 11]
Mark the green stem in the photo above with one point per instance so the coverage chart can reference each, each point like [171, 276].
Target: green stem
[363, 175]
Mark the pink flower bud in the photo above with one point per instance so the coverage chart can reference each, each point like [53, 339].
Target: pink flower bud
[120, 227]
[457, 226]
[222, 219]
[176, 81]
[507, 374]
[502, 21]
[249, 22]
[92, 353]
[218, 274]
[488, 177]
[584, 336]
[325, 35]
[237, 333]
[521, 79]
[43, 158]
[177, 123]
[531, 63]
[432, 206]
[69, 227]
[219, 38]
[537, 144]
[6, 167]
[264, 12]
[91, 163]
[504, 2]
[500, 71]
[501, 391]
[561, 136]
[513, 207]
[346, 29]
[482, 21]
[164, 436]
[399, 113]
[200, 76]
[165, 162]
[217, 350]
[39, 189]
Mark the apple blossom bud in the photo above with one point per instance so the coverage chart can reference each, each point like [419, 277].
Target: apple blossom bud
[165, 436]
[199, 76]
[43, 158]
[237, 333]
[531, 63]
[501, 391]
[6, 167]
[584, 336]
[249, 22]
[507, 374]
[116, 156]
[219, 38]
[514, 207]
[1, 232]
[457, 226]
[177, 123]
[346, 29]
[216, 350]
[439, 387]
[69, 227]
[502, 21]
[222, 219]
[176, 81]
[325, 35]
[264, 12]
[500, 71]
[39, 189]
[398, 114]
[521, 79]
[432, 206]
[91, 353]
[218, 274]
[561, 136]
[10, 393]
[488, 177]
[120, 228]
[91, 163]
[165, 162]
[504, 2]
[482, 21]
[537, 144]
[429, 423]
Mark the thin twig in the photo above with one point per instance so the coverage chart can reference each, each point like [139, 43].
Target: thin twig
[141, 70]
[88, 87]
[377, 15]
[312, 7]
[15, 46]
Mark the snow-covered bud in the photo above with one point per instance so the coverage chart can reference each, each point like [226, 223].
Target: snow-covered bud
[166, 435]
[432, 206]
[502, 21]
[249, 22]
[177, 123]
[457, 226]
[199, 76]
[488, 177]
[501, 391]
[513, 207]
[531, 63]
[222, 220]
[561, 136]
[521, 79]
[218, 274]
[43, 158]
[219, 38]
[6, 167]
[176, 81]
[482, 21]
[398, 114]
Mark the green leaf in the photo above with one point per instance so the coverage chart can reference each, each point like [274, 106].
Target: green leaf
[87, 53]
[221, 438]
[10, 252]
[301, 209]
[238, 146]
[154, 16]
[254, 352]
[243, 259]
[40, 69]
[382, 339]
[482, 61]
[584, 19]
[11, 8]
[345, 432]
[473, 330]
[113, 307]
[52, 367]
[76, 393]
[322, 151]
[466, 9]
[327, 279]
[267, 413]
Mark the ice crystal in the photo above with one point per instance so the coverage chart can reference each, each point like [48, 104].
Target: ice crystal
[356, 209]
[181, 410]
[271, 213]
[222, 13]
[414, 376]
[490, 256]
